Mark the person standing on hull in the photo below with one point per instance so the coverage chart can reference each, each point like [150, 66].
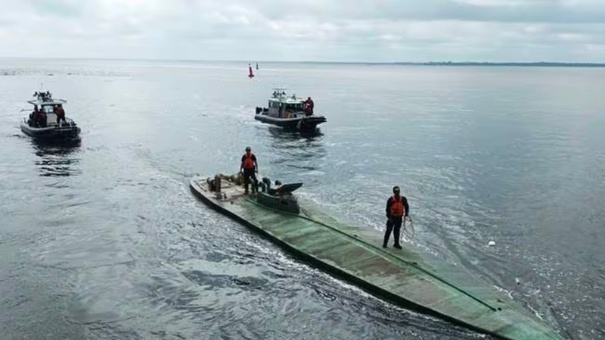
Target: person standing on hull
[397, 209]
[249, 168]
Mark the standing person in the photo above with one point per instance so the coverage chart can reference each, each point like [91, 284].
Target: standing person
[60, 113]
[397, 209]
[309, 106]
[34, 117]
[249, 167]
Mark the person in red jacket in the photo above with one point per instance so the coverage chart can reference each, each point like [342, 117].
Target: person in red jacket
[249, 168]
[60, 114]
[309, 106]
[397, 209]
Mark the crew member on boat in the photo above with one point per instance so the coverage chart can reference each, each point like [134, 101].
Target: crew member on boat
[60, 113]
[33, 117]
[249, 168]
[309, 105]
[397, 209]
[38, 117]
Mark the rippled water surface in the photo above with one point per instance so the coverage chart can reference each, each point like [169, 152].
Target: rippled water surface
[103, 239]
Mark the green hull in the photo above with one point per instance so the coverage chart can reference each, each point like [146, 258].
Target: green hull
[399, 276]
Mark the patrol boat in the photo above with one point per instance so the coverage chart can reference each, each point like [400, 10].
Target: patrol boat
[354, 254]
[288, 112]
[42, 122]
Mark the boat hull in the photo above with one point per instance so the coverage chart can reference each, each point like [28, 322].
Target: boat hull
[399, 276]
[298, 123]
[52, 132]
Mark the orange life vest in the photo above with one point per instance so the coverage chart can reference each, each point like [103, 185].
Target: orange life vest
[249, 162]
[397, 208]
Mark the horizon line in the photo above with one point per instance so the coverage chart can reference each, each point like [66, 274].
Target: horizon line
[434, 63]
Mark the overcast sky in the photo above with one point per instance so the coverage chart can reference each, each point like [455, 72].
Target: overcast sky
[319, 30]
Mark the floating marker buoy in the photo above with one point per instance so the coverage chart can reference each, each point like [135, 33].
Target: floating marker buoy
[491, 243]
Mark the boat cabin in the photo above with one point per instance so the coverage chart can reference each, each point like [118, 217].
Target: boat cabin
[46, 104]
[282, 105]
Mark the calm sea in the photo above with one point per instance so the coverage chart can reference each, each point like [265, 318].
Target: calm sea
[103, 240]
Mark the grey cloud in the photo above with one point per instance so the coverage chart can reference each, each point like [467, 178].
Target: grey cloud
[524, 11]
[380, 30]
[60, 8]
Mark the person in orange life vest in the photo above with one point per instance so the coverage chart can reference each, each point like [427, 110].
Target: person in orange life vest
[60, 113]
[249, 167]
[397, 209]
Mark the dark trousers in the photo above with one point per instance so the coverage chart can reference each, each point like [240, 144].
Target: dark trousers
[396, 223]
[247, 174]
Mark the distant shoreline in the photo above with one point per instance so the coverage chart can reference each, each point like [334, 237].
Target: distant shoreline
[448, 63]
[403, 63]
[542, 64]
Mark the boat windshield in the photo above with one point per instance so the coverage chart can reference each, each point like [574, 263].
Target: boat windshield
[294, 107]
[48, 108]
